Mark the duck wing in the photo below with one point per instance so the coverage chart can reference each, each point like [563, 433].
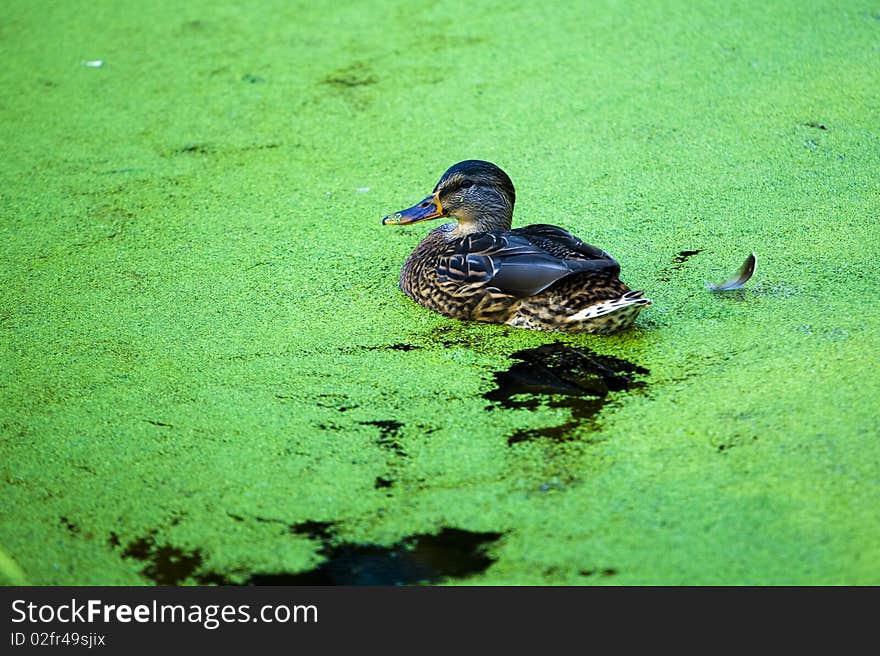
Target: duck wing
[513, 263]
[561, 243]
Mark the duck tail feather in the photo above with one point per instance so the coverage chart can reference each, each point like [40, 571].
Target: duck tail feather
[604, 308]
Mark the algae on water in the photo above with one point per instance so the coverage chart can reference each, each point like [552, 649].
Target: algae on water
[202, 342]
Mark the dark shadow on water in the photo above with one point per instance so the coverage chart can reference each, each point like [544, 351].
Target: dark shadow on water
[678, 262]
[382, 482]
[167, 564]
[424, 558]
[389, 431]
[452, 553]
[684, 256]
[562, 376]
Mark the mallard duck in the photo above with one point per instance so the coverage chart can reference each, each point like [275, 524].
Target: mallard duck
[539, 277]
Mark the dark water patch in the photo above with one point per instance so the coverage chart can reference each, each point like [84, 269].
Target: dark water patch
[316, 530]
[86, 468]
[338, 402]
[403, 347]
[265, 146]
[558, 433]
[69, 525]
[423, 558]
[388, 427]
[322, 531]
[166, 564]
[608, 571]
[562, 377]
[331, 400]
[321, 404]
[561, 369]
[389, 431]
[450, 554]
[383, 347]
[724, 447]
[684, 256]
[677, 263]
[196, 149]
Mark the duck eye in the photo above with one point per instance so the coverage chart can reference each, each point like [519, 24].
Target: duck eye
[467, 183]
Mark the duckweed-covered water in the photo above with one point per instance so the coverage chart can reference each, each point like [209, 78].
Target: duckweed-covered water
[208, 374]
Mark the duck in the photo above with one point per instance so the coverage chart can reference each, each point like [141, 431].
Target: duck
[479, 268]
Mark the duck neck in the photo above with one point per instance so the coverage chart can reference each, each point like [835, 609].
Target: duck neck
[488, 217]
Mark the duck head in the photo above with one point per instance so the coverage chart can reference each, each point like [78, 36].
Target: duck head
[477, 194]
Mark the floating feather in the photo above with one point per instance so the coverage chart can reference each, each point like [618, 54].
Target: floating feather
[746, 271]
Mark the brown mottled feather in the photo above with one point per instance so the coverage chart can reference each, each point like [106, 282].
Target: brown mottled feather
[543, 311]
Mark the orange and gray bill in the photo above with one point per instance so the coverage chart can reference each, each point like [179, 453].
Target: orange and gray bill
[425, 210]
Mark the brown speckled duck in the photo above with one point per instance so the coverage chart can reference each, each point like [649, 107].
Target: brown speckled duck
[539, 277]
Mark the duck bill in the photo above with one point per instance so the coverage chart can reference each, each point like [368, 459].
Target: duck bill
[425, 210]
